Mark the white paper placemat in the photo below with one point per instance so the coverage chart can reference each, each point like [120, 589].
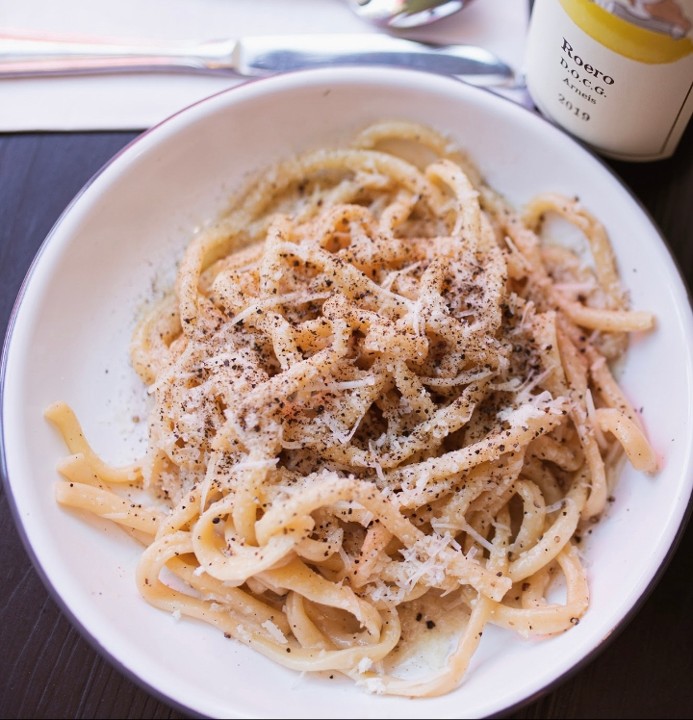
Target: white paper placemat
[132, 102]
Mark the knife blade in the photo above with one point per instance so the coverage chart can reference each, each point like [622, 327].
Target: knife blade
[252, 56]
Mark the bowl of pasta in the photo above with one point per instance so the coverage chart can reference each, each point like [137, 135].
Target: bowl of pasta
[350, 412]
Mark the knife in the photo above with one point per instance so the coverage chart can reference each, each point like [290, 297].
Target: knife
[254, 56]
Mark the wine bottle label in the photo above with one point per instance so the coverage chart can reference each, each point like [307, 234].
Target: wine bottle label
[617, 74]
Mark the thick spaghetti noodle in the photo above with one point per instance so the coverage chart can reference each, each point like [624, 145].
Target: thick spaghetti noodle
[381, 412]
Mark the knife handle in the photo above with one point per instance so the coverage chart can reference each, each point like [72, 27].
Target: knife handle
[27, 56]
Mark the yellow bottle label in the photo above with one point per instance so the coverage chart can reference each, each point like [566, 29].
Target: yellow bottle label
[617, 74]
[654, 32]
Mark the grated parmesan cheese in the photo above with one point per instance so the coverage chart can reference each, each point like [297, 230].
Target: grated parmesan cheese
[276, 634]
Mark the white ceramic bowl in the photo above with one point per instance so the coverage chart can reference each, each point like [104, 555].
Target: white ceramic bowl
[69, 339]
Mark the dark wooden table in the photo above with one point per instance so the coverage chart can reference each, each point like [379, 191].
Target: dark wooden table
[47, 670]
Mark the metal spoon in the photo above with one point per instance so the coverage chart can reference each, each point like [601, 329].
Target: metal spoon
[402, 14]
